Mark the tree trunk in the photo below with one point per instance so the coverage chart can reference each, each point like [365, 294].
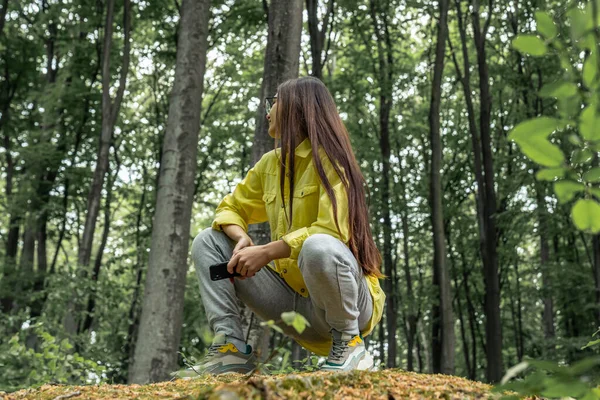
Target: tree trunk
[492, 282]
[91, 304]
[443, 338]
[155, 355]
[282, 56]
[548, 313]
[3, 15]
[385, 73]
[298, 354]
[110, 113]
[412, 317]
[317, 36]
[133, 316]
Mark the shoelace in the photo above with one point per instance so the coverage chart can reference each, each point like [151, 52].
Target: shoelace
[213, 350]
[337, 350]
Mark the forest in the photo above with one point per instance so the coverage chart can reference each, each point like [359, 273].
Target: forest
[123, 123]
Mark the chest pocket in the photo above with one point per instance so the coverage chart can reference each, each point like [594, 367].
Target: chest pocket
[269, 199]
[305, 191]
[306, 205]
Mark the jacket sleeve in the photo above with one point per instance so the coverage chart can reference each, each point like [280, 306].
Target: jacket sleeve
[325, 222]
[245, 205]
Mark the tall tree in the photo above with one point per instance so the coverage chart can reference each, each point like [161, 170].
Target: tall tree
[379, 19]
[281, 63]
[483, 165]
[443, 339]
[317, 36]
[110, 113]
[155, 354]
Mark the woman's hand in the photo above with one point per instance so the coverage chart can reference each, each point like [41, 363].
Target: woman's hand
[242, 243]
[248, 261]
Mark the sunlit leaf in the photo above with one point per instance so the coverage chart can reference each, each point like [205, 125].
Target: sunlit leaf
[545, 25]
[530, 44]
[593, 175]
[586, 215]
[589, 126]
[566, 190]
[531, 136]
[590, 70]
[559, 89]
[550, 174]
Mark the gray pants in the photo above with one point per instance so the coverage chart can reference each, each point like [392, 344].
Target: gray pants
[339, 294]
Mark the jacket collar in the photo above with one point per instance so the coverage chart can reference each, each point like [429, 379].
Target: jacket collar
[303, 149]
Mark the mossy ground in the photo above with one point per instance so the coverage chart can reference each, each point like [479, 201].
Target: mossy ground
[387, 384]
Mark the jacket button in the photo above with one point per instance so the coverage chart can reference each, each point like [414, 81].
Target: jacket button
[285, 271]
[303, 290]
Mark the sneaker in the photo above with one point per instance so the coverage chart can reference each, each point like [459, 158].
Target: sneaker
[222, 358]
[347, 353]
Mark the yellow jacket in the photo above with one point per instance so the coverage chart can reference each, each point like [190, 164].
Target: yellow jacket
[256, 200]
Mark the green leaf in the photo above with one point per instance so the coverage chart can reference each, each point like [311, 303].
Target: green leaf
[530, 44]
[590, 344]
[593, 175]
[545, 25]
[271, 324]
[589, 126]
[581, 156]
[594, 192]
[559, 90]
[299, 323]
[288, 317]
[296, 320]
[575, 140]
[580, 23]
[566, 190]
[531, 136]
[590, 70]
[586, 215]
[567, 388]
[550, 174]
[584, 365]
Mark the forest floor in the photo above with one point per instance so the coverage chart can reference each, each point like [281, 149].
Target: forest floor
[386, 384]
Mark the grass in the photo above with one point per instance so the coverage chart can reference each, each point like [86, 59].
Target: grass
[386, 384]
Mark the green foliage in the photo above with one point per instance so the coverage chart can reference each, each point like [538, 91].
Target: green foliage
[45, 359]
[577, 177]
[290, 318]
[549, 380]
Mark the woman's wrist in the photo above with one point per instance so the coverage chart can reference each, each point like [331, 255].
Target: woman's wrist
[278, 249]
[235, 232]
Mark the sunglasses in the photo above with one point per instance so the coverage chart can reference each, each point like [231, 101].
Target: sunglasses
[269, 103]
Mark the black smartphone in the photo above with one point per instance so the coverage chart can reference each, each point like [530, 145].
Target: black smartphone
[219, 271]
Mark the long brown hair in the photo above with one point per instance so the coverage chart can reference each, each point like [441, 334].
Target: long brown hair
[305, 108]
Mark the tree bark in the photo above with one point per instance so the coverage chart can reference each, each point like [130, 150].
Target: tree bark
[155, 355]
[3, 15]
[317, 36]
[385, 73]
[282, 56]
[412, 317]
[110, 113]
[91, 303]
[443, 337]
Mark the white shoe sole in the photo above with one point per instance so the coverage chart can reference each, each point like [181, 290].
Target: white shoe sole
[367, 363]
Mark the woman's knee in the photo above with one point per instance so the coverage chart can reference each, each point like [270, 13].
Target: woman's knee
[320, 250]
[203, 241]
